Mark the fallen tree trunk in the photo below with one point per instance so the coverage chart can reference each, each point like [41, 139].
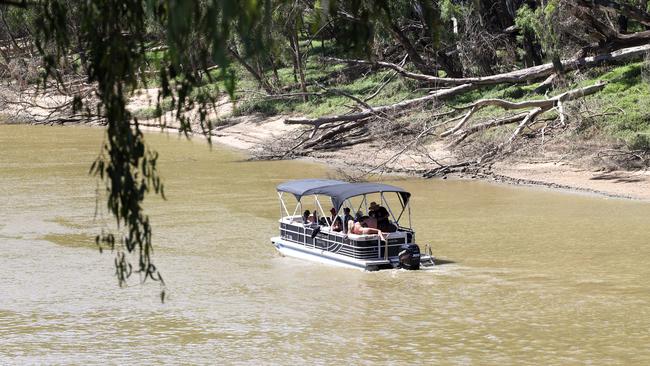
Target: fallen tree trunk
[487, 125]
[388, 109]
[525, 119]
[461, 85]
[331, 133]
[519, 76]
[543, 104]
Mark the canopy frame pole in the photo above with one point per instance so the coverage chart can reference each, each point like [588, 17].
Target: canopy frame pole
[401, 201]
[408, 204]
[321, 209]
[358, 209]
[296, 209]
[365, 203]
[283, 205]
[387, 205]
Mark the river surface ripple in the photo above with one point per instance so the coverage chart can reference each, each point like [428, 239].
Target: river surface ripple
[538, 277]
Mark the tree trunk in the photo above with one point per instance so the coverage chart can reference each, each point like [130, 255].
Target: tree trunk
[450, 62]
[414, 56]
[261, 79]
[295, 45]
[622, 24]
[276, 77]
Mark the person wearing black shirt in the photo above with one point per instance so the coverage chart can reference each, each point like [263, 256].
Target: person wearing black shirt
[346, 217]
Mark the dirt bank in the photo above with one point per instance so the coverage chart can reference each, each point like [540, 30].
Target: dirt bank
[254, 133]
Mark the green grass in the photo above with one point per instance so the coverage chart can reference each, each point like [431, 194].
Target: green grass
[627, 95]
[333, 77]
[621, 109]
[153, 111]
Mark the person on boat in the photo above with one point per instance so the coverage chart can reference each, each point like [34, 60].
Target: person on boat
[358, 216]
[369, 221]
[305, 216]
[383, 223]
[362, 229]
[347, 217]
[310, 219]
[323, 221]
[377, 211]
[335, 221]
[373, 209]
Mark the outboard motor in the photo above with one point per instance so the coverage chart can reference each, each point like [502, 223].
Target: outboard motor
[409, 256]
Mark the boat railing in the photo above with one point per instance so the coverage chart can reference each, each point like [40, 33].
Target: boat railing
[356, 246]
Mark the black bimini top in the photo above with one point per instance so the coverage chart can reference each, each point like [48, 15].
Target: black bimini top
[337, 190]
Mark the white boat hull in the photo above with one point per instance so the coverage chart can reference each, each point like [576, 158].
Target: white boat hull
[291, 249]
[322, 256]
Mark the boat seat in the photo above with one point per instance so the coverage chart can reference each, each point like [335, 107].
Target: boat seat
[362, 237]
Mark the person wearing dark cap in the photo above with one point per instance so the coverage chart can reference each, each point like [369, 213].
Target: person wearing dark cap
[383, 222]
[372, 209]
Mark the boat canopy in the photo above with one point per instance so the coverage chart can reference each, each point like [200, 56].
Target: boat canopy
[337, 190]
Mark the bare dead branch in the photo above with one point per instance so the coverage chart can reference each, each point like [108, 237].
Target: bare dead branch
[487, 125]
[543, 104]
[517, 76]
[388, 109]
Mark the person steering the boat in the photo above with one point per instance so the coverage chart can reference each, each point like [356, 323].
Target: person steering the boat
[383, 221]
[372, 210]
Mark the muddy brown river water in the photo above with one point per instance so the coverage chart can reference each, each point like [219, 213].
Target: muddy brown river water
[537, 277]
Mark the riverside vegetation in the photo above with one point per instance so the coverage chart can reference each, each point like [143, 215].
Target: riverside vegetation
[455, 86]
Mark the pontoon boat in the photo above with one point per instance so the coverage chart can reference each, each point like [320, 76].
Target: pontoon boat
[307, 238]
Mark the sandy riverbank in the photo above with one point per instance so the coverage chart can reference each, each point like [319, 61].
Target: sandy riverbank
[252, 134]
